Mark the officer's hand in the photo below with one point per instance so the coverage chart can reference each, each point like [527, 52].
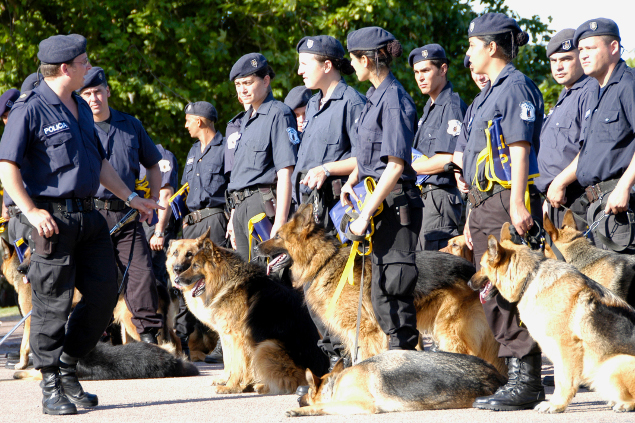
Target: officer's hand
[467, 234]
[145, 207]
[460, 182]
[314, 178]
[230, 231]
[43, 221]
[555, 194]
[618, 200]
[5, 214]
[347, 191]
[359, 225]
[156, 243]
[521, 219]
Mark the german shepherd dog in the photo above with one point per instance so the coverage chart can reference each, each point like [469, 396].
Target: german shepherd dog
[446, 307]
[400, 381]
[267, 334]
[610, 269]
[458, 247]
[585, 330]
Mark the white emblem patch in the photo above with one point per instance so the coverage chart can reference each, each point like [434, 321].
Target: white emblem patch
[587, 114]
[190, 160]
[233, 139]
[593, 26]
[454, 127]
[55, 128]
[566, 45]
[309, 43]
[420, 123]
[164, 166]
[471, 26]
[254, 63]
[424, 53]
[527, 111]
[293, 136]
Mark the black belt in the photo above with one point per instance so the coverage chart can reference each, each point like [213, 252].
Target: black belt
[598, 191]
[68, 205]
[13, 211]
[241, 195]
[477, 197]
[112, 205]
[198, 215]
[426, 188]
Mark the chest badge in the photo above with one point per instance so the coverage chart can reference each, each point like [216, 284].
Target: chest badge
[190, 160]
[233, 139]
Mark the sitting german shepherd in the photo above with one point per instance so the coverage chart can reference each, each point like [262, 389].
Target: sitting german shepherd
[446, 307]
[585, 330]
[267, 334]
[400, 381]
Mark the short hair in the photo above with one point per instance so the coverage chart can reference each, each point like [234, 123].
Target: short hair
[53, 69]
[608, 39]
[439, 62]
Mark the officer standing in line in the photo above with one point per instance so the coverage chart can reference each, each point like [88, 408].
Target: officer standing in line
[127, 147]
[297, 100]
[605, 164]
[439, 127]
[265, 153]
[51, 161]
[560, 135]
[383, 148]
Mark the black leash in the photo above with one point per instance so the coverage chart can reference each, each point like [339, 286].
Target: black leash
[131, 216]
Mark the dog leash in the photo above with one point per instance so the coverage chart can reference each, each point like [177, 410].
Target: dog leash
[15, 327]
[595, 224]
[359, 307]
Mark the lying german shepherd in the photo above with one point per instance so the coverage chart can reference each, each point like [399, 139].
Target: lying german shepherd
[267, 334]
[585, 330]
[400, 381]
[446, 307]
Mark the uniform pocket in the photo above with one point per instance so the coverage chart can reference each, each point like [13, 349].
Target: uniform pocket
[562, 134]
[260, 150]
[57, 148]
[610, 126]
[51, 275]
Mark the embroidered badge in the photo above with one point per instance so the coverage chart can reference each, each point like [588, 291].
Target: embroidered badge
[9, 104]
[254, 63]
[190, 160]
[424, 53]
[56, 128]
[593, 26]
[527, 111]
[566, 45]
[164, 166]
[293, 136]
[309, 43]
[233, 139]
[454, 127]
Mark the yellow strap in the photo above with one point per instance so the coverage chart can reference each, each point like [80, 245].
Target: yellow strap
[19, 242]
[250, 227]
[143, 185]
[184, 188]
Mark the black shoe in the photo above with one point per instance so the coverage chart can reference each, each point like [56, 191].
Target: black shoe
[54, 400]
[549, 380]
[217, 355]
[73, 390]
[524, 389]
[13, 356]
[148, 338]
[185, 347]
[302, 390]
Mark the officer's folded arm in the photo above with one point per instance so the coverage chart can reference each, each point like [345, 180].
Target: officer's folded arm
[433, 165]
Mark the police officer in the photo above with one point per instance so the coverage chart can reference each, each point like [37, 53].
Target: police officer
[51, 161]
[605, 162]
[265, 153]
[127, 147]
[383, 148]
[560, 134]
[494, 40]
[436, 137]
[297, 100]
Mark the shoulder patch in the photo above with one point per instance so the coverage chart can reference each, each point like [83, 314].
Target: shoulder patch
[454, 127]
[24, 97]
[164, 166]
[527, 111]
[233, 139]
[293, 136]
[55, 128]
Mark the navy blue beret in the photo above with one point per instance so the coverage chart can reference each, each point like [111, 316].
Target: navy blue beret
[466, 61]
[247, 65]
[596, 27]
[31, 82]
[492, 23]
[202, 109]
[94, 77]
[323, 45]
[369, 38]
[61, 48]
[7, 99]
[298, 97]
[427, 52]
[561, 42]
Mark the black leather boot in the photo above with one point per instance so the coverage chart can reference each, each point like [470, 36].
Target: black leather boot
[523, 390]
[215, 356]
[185, 347]
[73, 390]
[54, 401]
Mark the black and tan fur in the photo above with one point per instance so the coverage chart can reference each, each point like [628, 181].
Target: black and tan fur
[585, 329]
[458, 247]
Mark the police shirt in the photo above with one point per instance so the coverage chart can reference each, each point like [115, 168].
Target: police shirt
[328, 131]
[439, 128]
[268, 142]
[560, 134]
[232, 134]
[385, 128]
[58, 155]
[608, 145]
[205, 174]
[168, 166]
[461, 140]
[127, 146]
[516, 99]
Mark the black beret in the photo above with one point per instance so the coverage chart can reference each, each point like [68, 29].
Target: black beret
[466, 61]
[94, 77]
[61, 48]
[369, 38]
[247, 65]
[427, 52]
[561, 42]
[298, 97]
[202, 109]
[596, 27]
[492, 23]
[31, 81]
[7, 99]
[323, 45]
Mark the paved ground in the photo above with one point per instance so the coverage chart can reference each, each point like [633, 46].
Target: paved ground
[193, 400]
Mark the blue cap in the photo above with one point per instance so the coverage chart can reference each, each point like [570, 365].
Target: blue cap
[7, 99]
[596, 27]
[202, 109]
[427, 52]
[94, 77]
[298, 97]
[322, 45]
[466, 61]
[561, 42]
[61, 48]
[247, 65]
[369, 38]
[31, 82]
[492, 23]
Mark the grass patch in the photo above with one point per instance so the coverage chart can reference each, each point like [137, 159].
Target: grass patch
[9, 311]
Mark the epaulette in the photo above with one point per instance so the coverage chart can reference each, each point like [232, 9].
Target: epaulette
[24, 97]
[239, 115]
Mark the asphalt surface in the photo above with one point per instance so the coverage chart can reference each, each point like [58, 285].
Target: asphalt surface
[192, 399]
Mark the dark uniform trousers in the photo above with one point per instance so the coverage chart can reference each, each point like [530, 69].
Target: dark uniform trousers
[502, 316]
[81, 257]
[17, 229]
[442, 206]
[244, 211]
[140, 292]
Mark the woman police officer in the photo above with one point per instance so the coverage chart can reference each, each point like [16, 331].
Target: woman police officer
[383, 148]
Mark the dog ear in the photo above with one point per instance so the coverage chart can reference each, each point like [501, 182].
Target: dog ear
[305, 212]
[311, 379]
[339, 367]
[493, 248]
[200, 239]
[569, 220]
[7, 249]
[207, 243]
[549, 227]
[505, 233]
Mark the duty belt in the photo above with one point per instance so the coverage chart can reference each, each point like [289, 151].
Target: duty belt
[198, 215]
[598, 191]
[477, 197]
[241, 195]
[68, 205]
[112, 205]
[13, 211]
[426, 188]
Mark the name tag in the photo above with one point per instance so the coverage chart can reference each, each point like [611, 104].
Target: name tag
[55, 128]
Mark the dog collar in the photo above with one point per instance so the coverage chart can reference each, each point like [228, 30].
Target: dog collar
[530, 275]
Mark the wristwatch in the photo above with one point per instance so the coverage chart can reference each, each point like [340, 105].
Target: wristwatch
[159, 234]
[326, 171]
[131, 197]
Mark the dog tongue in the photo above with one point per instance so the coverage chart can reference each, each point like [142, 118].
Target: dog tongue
[485, 292]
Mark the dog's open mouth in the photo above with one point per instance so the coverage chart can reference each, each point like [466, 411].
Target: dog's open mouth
[199, 288]
[487, 292]
[277, 263]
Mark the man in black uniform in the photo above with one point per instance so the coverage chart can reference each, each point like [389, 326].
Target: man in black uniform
[127, 147]
[52, 163]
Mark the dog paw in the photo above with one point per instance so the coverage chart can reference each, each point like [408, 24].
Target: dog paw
[219, 381]
[21, 366]
[261, 388]
[293, 412]
[229, 390]
[621, 407]
[549, 407]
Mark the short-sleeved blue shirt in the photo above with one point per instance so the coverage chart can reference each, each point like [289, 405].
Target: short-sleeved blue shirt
[268, 142]
[385, 128]
[560, 134]
[439, 128]
[58, 155]
[461, 141]
[232, 134]
[204, 172]
[516, 99]
[608, 146]
[168, 166]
